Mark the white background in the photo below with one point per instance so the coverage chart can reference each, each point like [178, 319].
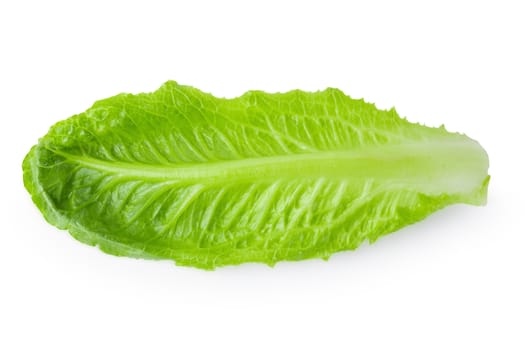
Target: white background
[453, 281]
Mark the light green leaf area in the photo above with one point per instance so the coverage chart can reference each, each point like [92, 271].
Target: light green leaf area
[180, 174]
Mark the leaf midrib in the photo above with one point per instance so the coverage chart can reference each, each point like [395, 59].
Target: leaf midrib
[412, 162]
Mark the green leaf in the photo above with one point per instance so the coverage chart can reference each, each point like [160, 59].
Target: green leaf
[179, 174]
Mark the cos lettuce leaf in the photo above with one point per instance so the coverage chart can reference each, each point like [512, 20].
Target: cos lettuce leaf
[180, 174]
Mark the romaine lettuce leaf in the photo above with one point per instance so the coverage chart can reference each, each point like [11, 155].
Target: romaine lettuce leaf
[180, 174]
